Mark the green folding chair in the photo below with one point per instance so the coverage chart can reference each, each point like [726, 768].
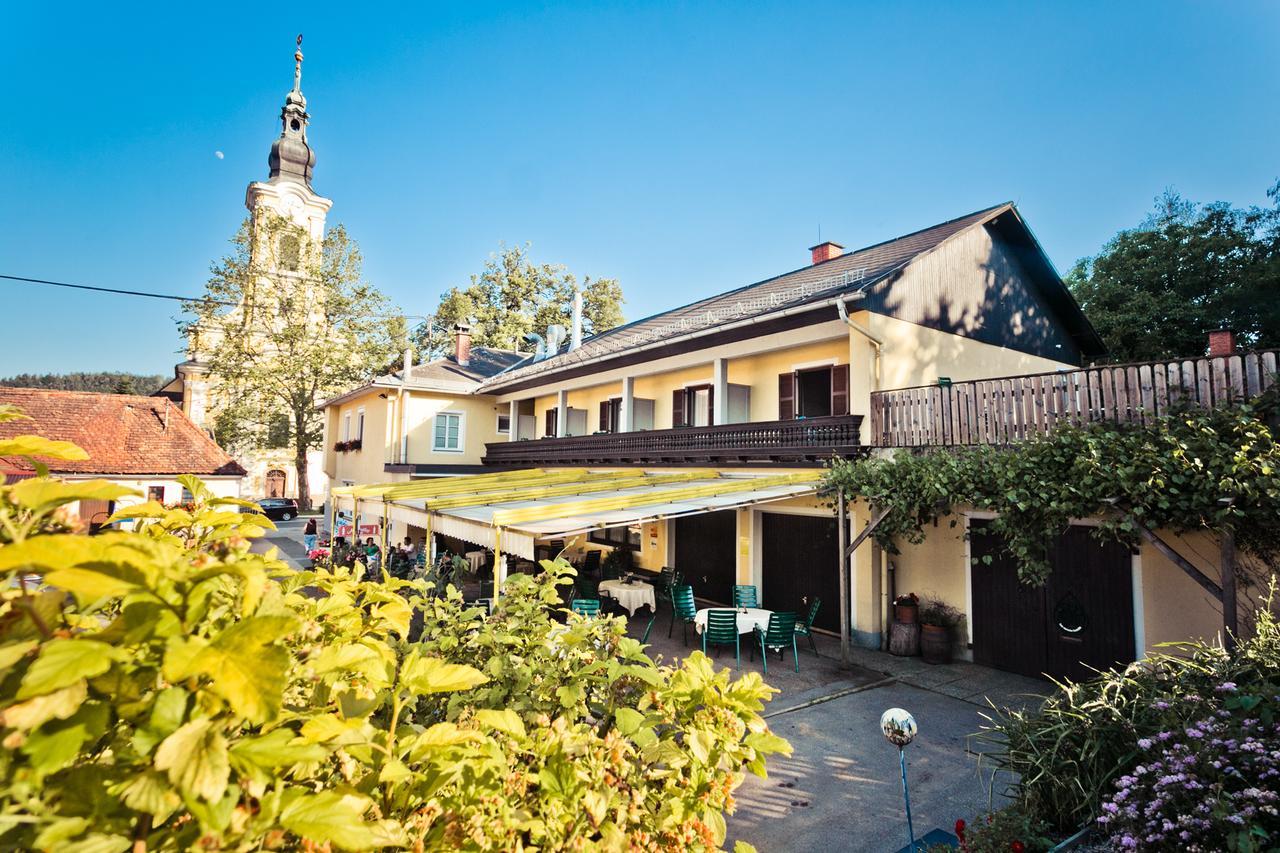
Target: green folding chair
[805, 627]
[722, 630]
[684, 609]
[588, 607]
[647, 628]
[780, 633]
[744, 595]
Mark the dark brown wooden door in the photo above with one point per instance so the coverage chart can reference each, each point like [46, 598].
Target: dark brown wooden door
[798, 560]
[705, 554]
[1081, 618]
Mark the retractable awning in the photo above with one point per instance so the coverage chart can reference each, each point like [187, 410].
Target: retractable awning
[510, 511]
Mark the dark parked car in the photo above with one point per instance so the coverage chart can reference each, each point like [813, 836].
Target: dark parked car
[278, 509]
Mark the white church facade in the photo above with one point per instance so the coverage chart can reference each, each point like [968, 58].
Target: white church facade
[287, 192]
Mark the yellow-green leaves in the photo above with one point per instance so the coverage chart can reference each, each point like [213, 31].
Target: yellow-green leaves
[34, 445]
[195, 758]
[40, 494]
[424, 675]
[64, 662]
[339, 819]
[247, 667]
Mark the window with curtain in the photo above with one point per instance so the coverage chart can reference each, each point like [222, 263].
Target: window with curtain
[448, 432]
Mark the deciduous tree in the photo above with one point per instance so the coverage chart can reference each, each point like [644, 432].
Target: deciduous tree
[513, 297]
[1156, 290]
[305, 326]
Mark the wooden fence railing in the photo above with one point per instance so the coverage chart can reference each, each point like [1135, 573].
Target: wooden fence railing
[1009, 409]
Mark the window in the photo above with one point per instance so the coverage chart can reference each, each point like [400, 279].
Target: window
[692, 406]
[346, 426]
[617, 537]
[448, 433]
[611, 415]
[290, 252]
[504, 423]
[814, 393]
[552, 423]
[360, 424]
[155, 493]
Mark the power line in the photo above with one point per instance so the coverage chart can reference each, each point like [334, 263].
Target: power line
[121, 292]
[116, 290]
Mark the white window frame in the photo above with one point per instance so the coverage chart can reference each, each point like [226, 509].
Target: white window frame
[360, 424]
[462, 432]
[346, 427]
[500, 429]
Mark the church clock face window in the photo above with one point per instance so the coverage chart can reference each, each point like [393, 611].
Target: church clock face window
[294, 125]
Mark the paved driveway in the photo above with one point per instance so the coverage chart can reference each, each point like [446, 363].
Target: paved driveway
[841, 789]
[288, 538]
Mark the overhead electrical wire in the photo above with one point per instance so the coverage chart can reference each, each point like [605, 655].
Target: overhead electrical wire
[121, 292]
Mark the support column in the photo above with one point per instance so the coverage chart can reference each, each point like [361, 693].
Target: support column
[513, 420]
[720, 391]
[842, 536]
[562, 413]
[627, 411]
[1230, 625]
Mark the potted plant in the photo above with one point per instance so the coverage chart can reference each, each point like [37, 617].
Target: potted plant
[937, 621]
[905, 608]
[617, 563]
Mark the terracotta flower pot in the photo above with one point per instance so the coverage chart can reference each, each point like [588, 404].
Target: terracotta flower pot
[905, 613]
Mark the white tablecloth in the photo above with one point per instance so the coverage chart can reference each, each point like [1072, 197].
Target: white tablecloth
[477, 560]
[752, 618]
[632, 596]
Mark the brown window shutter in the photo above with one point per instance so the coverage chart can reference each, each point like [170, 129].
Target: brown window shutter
[551, 422]
[711, 405]
[840, 389]
[606, 424]
[786, 396]
[677, 408]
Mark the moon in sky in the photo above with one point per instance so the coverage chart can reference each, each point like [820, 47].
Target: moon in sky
[218, 154]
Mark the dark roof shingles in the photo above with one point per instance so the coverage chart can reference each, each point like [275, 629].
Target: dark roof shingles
[846, 274]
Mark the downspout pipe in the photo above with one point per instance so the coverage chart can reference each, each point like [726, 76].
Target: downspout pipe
[876, 342]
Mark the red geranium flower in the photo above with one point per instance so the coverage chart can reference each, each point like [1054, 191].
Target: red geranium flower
[1018, 847]
[960, 829]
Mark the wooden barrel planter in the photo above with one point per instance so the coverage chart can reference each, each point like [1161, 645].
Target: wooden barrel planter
[904, 639]
[935, 644]
[905, 613]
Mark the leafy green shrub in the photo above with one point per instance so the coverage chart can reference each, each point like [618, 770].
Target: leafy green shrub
[168, 689]
[1069, 754]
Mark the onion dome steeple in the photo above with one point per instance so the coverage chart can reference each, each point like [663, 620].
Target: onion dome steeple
[292, 159]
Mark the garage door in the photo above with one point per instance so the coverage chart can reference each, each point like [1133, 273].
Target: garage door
[1082, 617]
[798, 560]
[705, 554]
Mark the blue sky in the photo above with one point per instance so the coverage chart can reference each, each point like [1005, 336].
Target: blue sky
[683, 148]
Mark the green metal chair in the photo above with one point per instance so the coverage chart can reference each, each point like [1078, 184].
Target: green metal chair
[780, 633]
[722, 630]
[588, 607]
[744, 595]
[668, 580]
[647, 628]
[805, 628]
[586, 587]
[684, 609]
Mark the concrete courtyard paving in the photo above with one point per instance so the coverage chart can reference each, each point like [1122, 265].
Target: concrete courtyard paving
[841, 789]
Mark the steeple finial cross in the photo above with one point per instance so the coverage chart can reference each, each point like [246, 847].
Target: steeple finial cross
[297, 66]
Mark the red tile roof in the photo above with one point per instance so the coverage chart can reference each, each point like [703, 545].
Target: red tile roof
[122, 433]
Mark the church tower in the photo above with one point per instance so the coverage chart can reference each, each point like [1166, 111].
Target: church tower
[286, 192]
[287, 189]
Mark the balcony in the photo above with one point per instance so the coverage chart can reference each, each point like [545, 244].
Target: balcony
[801, 443]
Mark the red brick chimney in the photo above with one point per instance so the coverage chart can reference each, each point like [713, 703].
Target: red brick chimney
[462, 343]
[824, 252]
[1222, 342]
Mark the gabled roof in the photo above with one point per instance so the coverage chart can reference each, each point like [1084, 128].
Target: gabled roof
[846, 274]
[442, 374]
[843, 276]
[124, 434]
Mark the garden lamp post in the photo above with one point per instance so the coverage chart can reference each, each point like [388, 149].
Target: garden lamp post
[899, 729]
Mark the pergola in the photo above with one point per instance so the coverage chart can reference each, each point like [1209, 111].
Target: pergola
[509, 511]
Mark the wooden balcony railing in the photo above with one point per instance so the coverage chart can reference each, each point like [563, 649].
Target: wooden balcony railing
[1011, 408]
[803, 442]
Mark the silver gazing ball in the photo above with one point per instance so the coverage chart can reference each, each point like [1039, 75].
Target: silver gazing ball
[899, 727]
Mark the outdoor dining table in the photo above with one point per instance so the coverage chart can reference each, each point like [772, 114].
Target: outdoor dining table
[477, 560]
[631, 596]
[749, 618]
